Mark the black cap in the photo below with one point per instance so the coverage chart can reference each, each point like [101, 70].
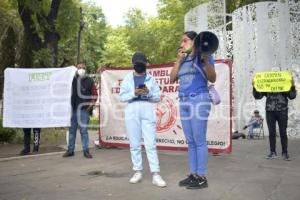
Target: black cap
[139, 57]
[256, 111]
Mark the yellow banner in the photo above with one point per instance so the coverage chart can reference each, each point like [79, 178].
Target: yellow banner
[280, 81]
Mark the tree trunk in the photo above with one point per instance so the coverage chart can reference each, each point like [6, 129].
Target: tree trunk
[51, 36]
[51, 41]
[31, 42]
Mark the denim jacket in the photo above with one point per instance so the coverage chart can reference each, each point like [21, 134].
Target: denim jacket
[128, 88]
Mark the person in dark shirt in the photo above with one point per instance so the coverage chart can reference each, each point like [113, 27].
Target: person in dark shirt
[277, 111]
[84, 96]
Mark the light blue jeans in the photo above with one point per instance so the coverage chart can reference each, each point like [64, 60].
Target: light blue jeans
[141, 122]
[79, 118]
[252, 125]
[194, 112]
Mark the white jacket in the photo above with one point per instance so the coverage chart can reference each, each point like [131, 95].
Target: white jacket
[127, 89]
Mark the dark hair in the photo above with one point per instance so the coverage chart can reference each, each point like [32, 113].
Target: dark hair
[190, 34]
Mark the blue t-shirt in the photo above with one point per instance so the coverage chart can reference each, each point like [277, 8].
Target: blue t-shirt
[191, 81]
[139, 80]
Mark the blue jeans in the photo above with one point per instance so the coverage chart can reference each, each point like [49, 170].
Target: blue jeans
[83, 122]
[252, 125]
[194, 112]
[141, 122]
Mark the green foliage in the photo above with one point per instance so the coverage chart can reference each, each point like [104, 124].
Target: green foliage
[158, 37]
[8, 17]
[7, 134]
[117, 51]
[154, 38]
[67, 22]
[174, 10]
[44, 55]
[93, 36]
[66, 25]
[53, 136]
[68, 50]
[10, 33]
[94, 123]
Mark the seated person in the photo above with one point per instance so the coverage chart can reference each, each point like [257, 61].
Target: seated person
[255, 121]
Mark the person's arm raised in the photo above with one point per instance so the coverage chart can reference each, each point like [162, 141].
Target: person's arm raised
[176, 67]
[209, 68]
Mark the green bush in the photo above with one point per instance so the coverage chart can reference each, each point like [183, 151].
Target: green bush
[7, 134]
[94, 123]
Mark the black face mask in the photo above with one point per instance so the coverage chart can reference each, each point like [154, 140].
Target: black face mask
[139, 67]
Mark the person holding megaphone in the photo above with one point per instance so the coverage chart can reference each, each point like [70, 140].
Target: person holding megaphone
[194, 68]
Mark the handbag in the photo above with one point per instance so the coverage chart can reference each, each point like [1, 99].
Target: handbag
[212, 92]
[214, 95]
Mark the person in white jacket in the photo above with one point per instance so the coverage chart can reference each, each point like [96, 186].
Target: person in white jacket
[140, 90]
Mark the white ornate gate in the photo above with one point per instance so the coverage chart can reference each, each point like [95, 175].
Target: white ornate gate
[265, 36]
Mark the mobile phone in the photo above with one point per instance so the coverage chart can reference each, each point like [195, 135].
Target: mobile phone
[142, 86]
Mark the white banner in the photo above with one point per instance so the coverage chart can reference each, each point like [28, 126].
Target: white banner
[169, 129]
[37, 98]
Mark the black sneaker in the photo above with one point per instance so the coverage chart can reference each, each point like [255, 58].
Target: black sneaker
[87, 154]
[245, 127]
[35, 149]
[271, 156]
[286, 156]
[24, 152]
[186, 181]
[198, 183]
[68, 154]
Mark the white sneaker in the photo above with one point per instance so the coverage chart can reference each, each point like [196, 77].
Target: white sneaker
[158, 181]
[137, 177]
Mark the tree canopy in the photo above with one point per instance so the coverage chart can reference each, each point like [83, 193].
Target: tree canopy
[44, 33]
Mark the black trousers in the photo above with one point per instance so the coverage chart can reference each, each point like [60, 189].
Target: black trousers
[27, 138]
[281, 117]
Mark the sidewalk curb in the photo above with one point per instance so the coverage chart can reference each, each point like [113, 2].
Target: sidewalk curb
[34, 155]
[30, 156]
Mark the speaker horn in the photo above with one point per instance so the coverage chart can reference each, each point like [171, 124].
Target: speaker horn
[207, 42]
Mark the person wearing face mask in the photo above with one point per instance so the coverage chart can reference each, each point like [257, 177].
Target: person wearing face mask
[140, 91]
[84, 96]
[194, 105]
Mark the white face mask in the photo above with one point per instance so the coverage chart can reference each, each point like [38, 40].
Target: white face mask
[81, 72]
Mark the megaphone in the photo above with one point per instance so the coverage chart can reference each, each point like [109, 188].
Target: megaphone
[207, 42]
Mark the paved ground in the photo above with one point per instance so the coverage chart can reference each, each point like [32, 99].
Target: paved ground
[244, 174]
[11, 150]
